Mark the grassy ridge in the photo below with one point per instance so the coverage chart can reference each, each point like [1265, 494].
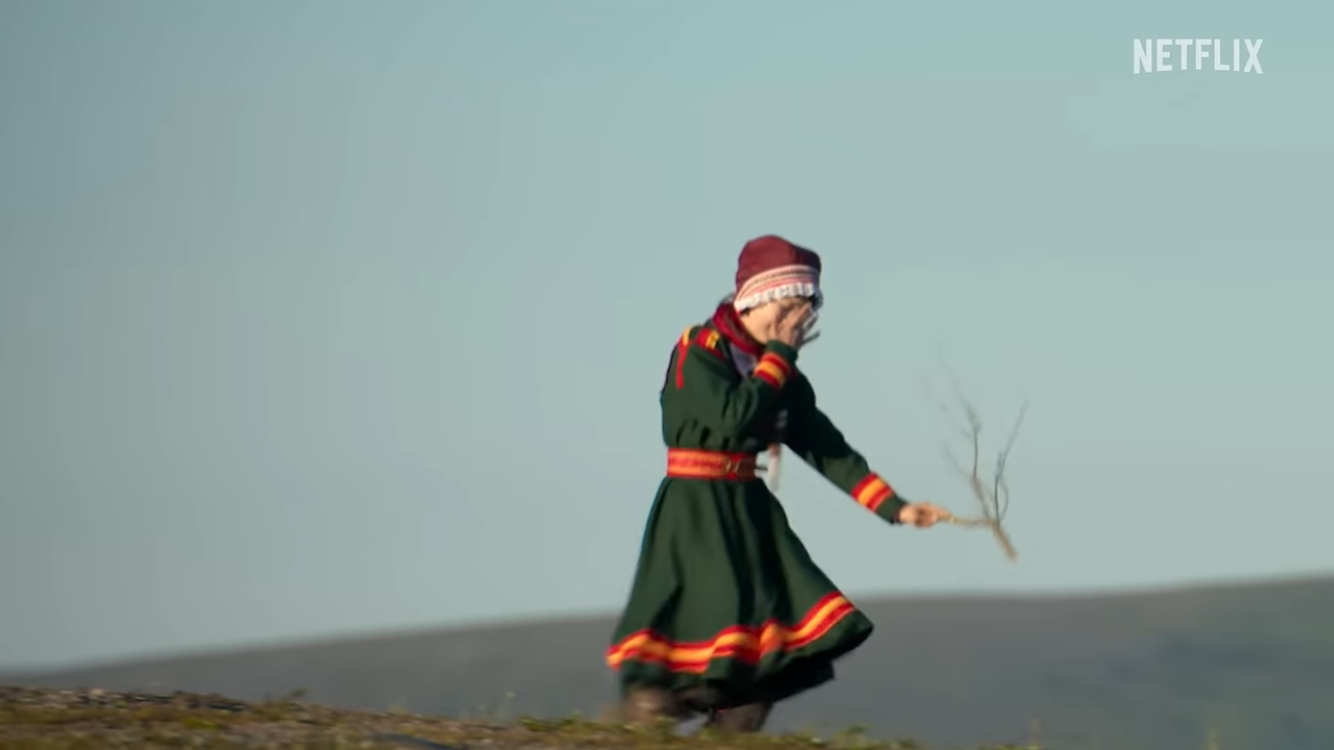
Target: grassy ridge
[45, 719]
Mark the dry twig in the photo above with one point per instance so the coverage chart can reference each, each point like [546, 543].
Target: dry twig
[993, 494]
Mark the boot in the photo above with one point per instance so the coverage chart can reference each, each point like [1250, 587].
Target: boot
[746, 719]
[650, 705]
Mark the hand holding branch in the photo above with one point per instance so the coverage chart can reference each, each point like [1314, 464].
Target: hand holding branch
[923, 515]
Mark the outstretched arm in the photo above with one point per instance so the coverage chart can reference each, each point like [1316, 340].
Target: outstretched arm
[814, 437]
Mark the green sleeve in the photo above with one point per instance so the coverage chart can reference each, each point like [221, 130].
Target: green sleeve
[714, 392]
[814, 437]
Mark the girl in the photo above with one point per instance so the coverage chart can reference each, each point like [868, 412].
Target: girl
[728, 614]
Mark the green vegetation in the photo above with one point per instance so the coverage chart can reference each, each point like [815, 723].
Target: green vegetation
[88, 720]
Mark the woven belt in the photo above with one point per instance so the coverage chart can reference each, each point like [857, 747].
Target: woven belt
[685, 463]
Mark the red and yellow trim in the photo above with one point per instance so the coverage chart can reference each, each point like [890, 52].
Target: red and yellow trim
[744, 643]
[688, 463]
[871, 492]
[707, 338]
[773, 370]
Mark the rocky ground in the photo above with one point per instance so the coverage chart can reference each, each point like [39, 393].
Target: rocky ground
[48, 719]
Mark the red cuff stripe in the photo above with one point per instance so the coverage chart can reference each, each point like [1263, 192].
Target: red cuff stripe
[769, 374]
[773, 370]
[872, 492]
[778, 362]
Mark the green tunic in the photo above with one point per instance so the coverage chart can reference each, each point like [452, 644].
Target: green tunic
[725, 597]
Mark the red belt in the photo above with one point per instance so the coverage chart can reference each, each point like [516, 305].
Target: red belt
[687, 463]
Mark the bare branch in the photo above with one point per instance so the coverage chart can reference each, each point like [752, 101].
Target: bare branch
[963, 430]
[993, 497]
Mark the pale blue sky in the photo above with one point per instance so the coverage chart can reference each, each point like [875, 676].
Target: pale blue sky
[325, 317]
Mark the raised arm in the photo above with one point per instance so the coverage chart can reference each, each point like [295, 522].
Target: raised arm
[709, 387]
[813, 436]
